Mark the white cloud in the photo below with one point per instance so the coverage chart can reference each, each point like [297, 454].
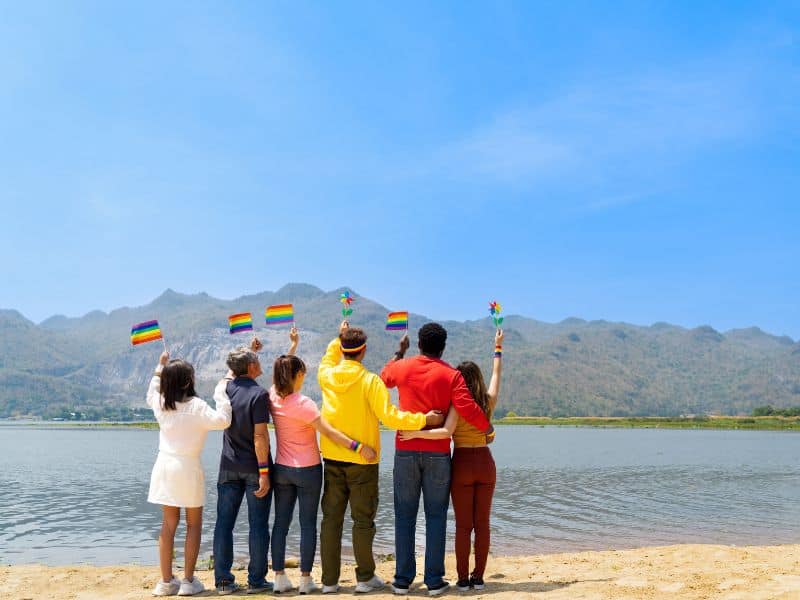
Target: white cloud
[609, 129]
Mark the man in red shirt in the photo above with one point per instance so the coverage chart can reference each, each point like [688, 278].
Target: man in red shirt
[425, 383]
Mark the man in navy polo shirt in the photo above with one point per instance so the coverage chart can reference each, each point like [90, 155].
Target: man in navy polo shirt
[244, 472]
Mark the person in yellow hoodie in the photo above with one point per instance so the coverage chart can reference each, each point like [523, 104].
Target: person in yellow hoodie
[353, 401]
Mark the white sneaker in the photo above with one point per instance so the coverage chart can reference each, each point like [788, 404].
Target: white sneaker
[190, 588]
[307, 585]
[282, 583]
[164, 588]
[330, 589]
[398, 590]
[364, 587]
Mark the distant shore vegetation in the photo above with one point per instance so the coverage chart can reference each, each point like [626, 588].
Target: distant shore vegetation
[763, 418]
[772, 422]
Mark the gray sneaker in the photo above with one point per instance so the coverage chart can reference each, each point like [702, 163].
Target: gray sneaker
[228, 587]
[260, 589]
[364, 587]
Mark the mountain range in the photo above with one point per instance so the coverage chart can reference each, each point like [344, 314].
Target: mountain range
[86, 367]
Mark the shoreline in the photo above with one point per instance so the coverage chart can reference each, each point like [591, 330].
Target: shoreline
[739, 423]
[687, 571]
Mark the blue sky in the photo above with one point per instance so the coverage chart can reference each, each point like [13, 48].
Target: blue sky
[640, 163]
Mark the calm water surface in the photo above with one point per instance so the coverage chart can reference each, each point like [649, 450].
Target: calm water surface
[79, 495]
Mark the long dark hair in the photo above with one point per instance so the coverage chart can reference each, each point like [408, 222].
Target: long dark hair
[177, 383]
[284, 371]
[474, 380]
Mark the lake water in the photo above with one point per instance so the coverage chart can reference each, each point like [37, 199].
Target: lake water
[70, 495]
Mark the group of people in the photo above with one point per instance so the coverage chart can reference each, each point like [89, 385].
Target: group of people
[436, 403]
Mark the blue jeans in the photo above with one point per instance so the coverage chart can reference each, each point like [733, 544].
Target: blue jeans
[290, 485]
[428, 473]
[232, 486]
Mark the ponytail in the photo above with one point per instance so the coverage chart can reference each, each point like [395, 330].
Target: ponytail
[284, 371]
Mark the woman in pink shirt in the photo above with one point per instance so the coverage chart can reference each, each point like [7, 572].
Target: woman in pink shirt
[297, 473]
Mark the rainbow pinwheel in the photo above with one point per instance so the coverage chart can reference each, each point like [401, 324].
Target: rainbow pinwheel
[346, 299]
[494, 310]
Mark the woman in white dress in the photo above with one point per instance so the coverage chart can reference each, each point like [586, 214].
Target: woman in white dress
[177, 481]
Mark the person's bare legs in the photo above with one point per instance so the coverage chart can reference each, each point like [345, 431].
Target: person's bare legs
[166, 540]
[194, 528]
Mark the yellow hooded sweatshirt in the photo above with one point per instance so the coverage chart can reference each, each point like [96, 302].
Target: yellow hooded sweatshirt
[353, 399]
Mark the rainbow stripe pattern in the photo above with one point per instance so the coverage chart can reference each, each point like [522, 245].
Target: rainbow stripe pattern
[240, 322]
[278, 314]
[149, 331]
[397, 321]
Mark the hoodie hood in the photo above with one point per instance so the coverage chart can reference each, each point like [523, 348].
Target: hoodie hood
[346, 374]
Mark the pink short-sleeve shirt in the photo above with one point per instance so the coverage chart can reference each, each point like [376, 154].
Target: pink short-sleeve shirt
[297, 439]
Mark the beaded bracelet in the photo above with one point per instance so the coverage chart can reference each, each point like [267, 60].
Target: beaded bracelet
[263, 468]
[355, 446]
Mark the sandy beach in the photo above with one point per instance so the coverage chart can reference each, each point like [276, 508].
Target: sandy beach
[679, 572]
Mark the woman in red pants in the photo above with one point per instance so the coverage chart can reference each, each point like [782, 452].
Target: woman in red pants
[473, 470]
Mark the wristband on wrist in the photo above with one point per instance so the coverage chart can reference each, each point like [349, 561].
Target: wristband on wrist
[263, 468]
[355, 446]
[498, 351]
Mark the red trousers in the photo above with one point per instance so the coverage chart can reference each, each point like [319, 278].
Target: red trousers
[472, 486]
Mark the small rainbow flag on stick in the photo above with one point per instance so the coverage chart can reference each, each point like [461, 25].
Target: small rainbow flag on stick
[149, 331]
[279, 314]
[240, 322]
[397, 321]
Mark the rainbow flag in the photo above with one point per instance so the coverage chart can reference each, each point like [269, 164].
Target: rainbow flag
[279, 313]
[240, 322]
[149, 331]
[397, 321]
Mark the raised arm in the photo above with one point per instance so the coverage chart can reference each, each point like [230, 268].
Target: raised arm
[153, 397]
[294, 338]
[221, 417]
[337, 437]
[332, 356]
[439, 433]
[388, 372]
[497, 368]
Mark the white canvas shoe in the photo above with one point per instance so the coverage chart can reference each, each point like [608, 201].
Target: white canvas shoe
[376, 583]
[330, 589]
[164, 588]
[307, 585]
[190, 588]
[282, 584]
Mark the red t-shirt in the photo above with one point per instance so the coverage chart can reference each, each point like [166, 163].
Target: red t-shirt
[431, 384]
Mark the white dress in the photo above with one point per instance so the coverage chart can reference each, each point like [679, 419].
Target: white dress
[177, 478]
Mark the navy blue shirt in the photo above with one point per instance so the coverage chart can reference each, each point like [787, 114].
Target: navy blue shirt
[250, 406]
